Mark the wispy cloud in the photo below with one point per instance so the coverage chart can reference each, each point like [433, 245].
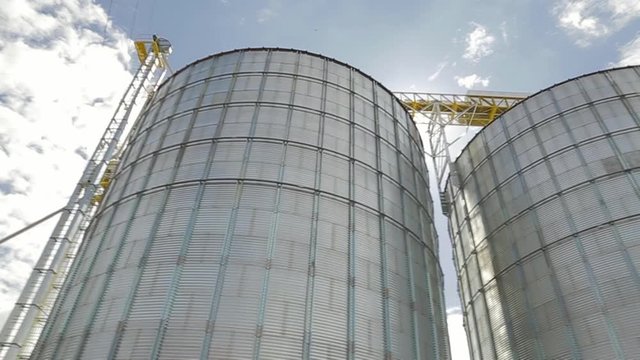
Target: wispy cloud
[503, 32]
[439, 69]
[269, 11]
[576, 18]
[587, 20]
[623, 11]
[457, 335]
[470, 81]
[479, 43]
[630, 52]
[61, 78]
[266, 14]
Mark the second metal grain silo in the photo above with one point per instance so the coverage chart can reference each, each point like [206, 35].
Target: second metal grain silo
[271, 204]
[545, 220]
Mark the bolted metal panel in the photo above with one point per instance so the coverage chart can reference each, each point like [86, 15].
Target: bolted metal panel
[271, 204]
[545, 217]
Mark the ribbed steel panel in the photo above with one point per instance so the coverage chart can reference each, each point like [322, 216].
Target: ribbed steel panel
[271, 204]
[545, 224]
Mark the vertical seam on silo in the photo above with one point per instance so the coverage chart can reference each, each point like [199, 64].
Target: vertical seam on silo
[576, 235]
[405, 221]
[226, 247]
[626, 165]
[530, 311]
[186, 240]
[412, 294]
[430, 239]
[426, 230]
[474, 254]
[503, 209]
[431, 315]
[150, 239]
[351, 225]
[520, 271]
[594, 283]
[469, 332]
[175, 278]
[107, 281]
[271, 240]
[444, 330]
[67, 321]
[407, 250]
[115, 345]
[93, 260]
[467, 219]
[313, 241]
[575, 350]
[127, 305]
[636, 119]
[384, 280]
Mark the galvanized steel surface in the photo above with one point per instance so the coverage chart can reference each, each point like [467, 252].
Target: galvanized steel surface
[272, 204]
[545, 221]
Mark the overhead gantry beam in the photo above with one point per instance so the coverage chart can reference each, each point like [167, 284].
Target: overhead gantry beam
[473, 109]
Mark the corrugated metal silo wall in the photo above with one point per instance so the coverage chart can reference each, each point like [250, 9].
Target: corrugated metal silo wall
[545, 221]
[272, 204]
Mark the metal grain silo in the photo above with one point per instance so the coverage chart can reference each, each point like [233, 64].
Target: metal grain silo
[545, 219]
[271, 204]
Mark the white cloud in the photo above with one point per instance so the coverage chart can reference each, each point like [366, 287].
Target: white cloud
[503, 32]
[61, 79]
[266, 14]
[479, 43]
[587, 20]
[457, 335]
[575, 17]
[471, 81]
[439, 69]
[630, 53]
[623, 11]
[270, 11]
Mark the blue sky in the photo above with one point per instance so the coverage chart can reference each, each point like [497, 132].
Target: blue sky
[532, 44]
[64, 64]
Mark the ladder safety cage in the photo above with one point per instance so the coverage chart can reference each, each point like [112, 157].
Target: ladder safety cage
[33, 307]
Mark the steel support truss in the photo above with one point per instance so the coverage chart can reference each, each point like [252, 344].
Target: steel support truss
[436, 113]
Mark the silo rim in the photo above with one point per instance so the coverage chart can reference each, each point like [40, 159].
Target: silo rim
[446, 184]
[286, 50]
[300, 52]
